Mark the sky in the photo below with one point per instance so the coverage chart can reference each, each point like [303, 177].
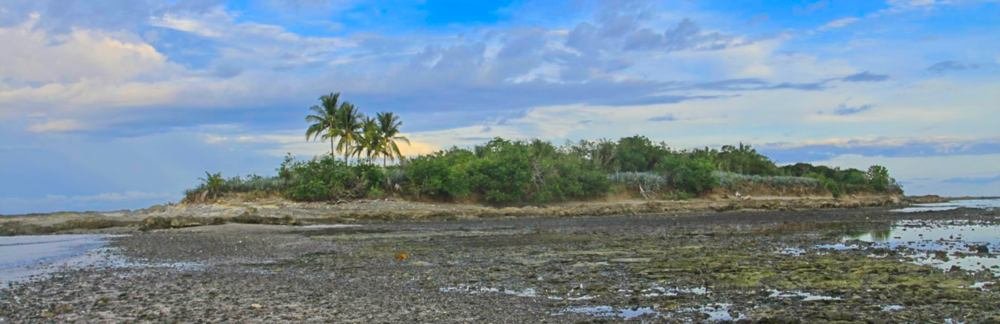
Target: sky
[112, 104]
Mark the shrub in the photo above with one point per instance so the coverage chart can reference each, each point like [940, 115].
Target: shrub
[503, 172]
[832, 186]
[839, 181]
[439, 176]
[211, 184]
[536, 172]
[254, 183]
[567, 178]
[735, 181]
[500, 180]
[693, 175]
[329, 179]
[214, 186]
[370, 177]
[395, 178]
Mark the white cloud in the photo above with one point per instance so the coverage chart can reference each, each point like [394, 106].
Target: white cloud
[73, 72]
[56, 126]
[911, 4]
[95, 95]
[190, 25]
[40, 57]
[901, 6]
[764, 59]
[840, 23]
[936, 141]
[93, 76]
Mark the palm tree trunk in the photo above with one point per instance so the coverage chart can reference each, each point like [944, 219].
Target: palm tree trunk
[332, 150]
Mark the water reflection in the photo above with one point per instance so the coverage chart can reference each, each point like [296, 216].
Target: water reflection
[945, 245]
[608, 311]
[951, 205]
[881, 233]
[24, 256]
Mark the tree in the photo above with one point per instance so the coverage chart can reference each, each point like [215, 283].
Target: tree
[370, 140]
[604, 154]
[388, 128]
[348, 122]
[637, 153]
[325, 124]
[878, 177]
[744, 159]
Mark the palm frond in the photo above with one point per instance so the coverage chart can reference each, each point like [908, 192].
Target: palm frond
[313, 131]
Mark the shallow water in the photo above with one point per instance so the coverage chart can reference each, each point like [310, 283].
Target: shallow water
[24, 256]
[657, 291]
[608, 311]
[954, 204]
[720, 312]
[965, 245]
[326, 226]
[527, 292]
[804, 296]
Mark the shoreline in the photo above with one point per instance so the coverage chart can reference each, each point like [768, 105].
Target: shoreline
[280, 211]
[699, 267]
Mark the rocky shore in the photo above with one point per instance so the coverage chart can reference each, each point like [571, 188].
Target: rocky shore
[735, 265]
[284, 212]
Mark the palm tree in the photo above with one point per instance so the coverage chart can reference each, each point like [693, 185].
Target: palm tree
[324, 122]
[348, 122]
[388, 129]
[370, 141]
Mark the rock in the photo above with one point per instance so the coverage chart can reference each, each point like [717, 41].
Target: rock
[980, 248]
[630, 260]
[256, 306]
[421, 264]
[63, 308]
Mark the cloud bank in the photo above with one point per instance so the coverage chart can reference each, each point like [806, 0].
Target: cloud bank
[128, 93]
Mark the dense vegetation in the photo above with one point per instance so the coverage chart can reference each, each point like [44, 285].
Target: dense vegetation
[504, 172]
[508, 172]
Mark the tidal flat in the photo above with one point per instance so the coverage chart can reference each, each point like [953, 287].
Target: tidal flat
[854, 265]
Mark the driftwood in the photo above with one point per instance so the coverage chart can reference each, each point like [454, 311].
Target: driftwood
[643, 192]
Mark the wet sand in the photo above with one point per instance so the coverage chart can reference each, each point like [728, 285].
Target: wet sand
[697, 266]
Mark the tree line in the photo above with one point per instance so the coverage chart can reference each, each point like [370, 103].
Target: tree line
[511, 172]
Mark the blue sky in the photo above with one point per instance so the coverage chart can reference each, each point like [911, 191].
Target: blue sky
[109, 104]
